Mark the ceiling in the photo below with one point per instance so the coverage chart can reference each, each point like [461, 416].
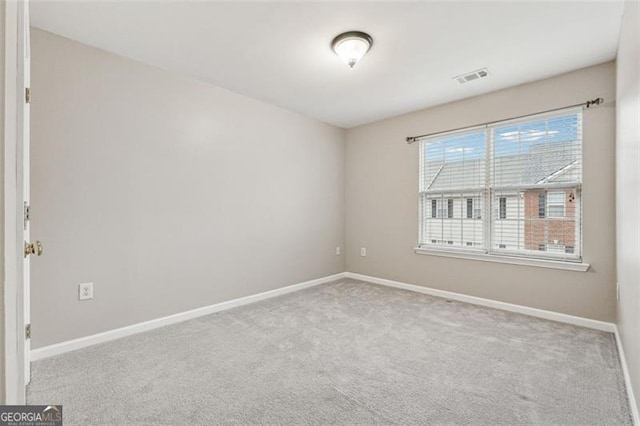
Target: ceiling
[280, 52]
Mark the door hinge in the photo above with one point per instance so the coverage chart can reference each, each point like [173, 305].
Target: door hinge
[27, 214]
[27, 95]
[27, 331]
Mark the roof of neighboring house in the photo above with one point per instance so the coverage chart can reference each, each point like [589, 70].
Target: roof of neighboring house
[542, 163]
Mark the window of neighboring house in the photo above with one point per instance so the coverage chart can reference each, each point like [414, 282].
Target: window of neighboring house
[542, 205]
[526, 173]
[503, 207]
[555, 204]
[442, 212]
[555, 248]
[474, 211]
[438, 209]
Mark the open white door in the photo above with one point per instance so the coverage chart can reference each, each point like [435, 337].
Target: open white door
[24, 53]
[18, 247]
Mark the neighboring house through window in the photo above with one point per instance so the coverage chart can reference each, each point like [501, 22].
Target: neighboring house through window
[527, 174]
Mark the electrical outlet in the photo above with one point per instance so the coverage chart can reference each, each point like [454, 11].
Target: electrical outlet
[363, 251]
[618, 291]
[85, 291]
[338, 251]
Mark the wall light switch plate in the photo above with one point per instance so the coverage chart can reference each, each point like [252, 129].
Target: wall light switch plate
[618, 292]
[363, 251]
[85, 291]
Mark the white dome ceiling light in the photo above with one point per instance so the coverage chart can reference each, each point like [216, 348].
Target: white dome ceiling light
[352, 46]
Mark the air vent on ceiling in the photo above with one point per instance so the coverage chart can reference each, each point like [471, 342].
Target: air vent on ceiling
[475, 75]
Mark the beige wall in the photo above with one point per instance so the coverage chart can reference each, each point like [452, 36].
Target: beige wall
[168, 193]
[628, 189]
[382, 200]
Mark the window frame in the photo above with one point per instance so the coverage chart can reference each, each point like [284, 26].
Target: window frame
[487, 250]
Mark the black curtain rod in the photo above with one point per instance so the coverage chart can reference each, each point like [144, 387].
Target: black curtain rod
[588, 104]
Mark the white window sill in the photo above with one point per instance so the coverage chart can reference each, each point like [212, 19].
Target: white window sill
[512, 260]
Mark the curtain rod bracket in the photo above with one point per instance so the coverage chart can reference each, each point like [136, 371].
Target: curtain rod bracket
[596, 101]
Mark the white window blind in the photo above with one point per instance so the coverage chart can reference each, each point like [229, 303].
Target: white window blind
[527, 174]
[452, 173]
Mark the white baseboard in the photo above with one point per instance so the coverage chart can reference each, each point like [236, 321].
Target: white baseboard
[94, 339]
[627, 381]
[534, 312]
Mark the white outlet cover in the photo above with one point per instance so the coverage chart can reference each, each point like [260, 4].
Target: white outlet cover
[338, 251]
[85, 291]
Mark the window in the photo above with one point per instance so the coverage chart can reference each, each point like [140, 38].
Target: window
[555, 204]
[542, 205]
[527, 174]
[474, 211]
[555, 248]
[442, 212]
[503, 207]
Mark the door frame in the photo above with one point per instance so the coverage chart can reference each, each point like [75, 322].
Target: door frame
[15, 352]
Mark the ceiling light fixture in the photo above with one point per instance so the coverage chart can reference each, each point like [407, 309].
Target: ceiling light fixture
[352, 46]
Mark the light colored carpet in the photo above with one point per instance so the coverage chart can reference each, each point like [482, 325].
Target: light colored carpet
[345, 352]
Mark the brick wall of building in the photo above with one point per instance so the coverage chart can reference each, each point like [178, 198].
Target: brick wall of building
[542, 231]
